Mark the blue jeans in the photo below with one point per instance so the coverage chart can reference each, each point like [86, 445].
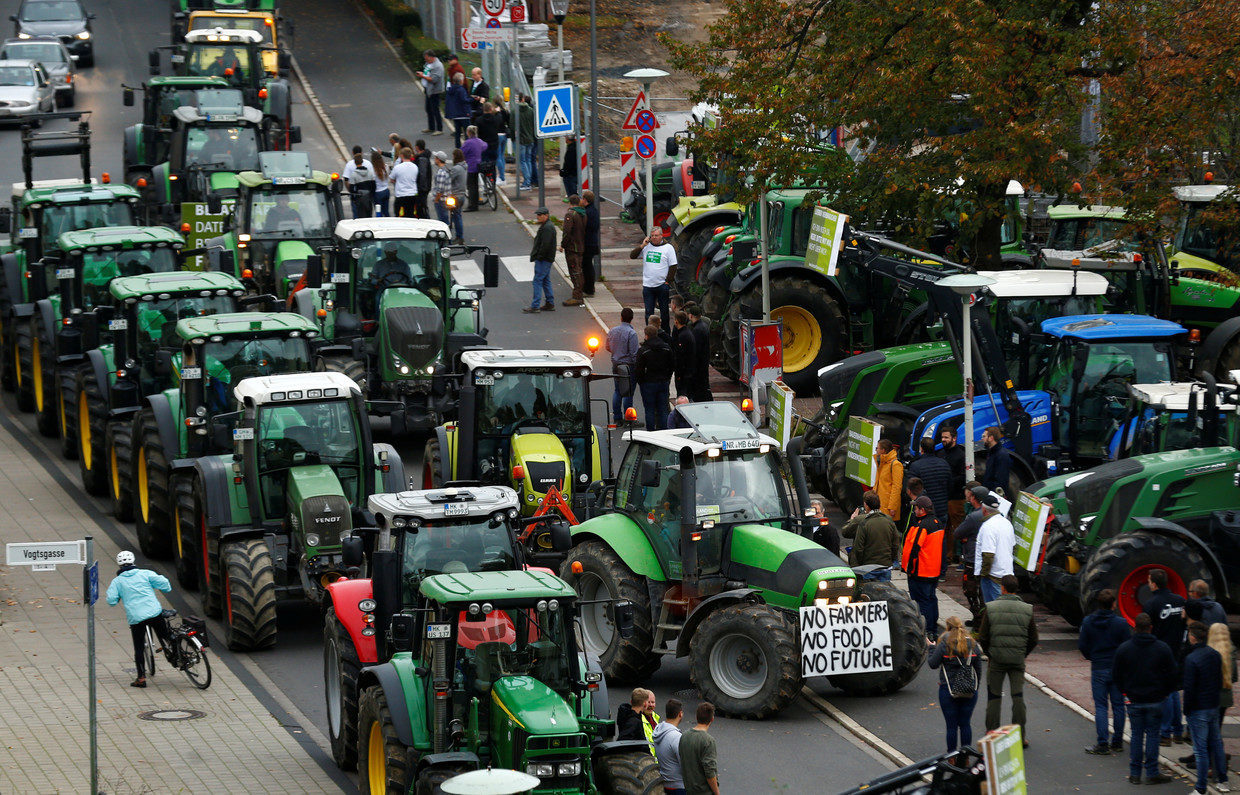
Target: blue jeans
[542, 282]
[1143, 750]
[1207, 745]
[877, 575]
[381, 203]
[499, 157]
[529, 163]
[1172, 722]
[450, 218]
[654, 404]
[921, 590]
[1105, 690]
[652, 296]
[958, 715]
[990, 589]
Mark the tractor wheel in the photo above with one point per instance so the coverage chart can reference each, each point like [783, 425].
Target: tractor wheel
[432, 465]
[249, 595]
[347, 365]
[814, 329]
[605, 577]
[689, 259]
[118, 446]
[745, 660]
[8, 350]
[211, 578]
[90, 415]
[1228, 360]
[714, 305]
[381, 757]
[185, 552]
[431, 780]
[23, 358]
[340, 673]
[908, 645]
[1068, 607]
[150, 489]
[43, 380]
[1124, 563]
[67, 411]
[844, 491]
[628, 773]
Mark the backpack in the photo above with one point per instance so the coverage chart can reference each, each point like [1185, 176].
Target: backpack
[960, 675]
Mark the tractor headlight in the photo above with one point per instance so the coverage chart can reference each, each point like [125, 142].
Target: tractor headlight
[312, 540]
[84, 35]
[404, 369]
[398, 521]
[542, 605]
[850, 582]
[823, 585]
[487, 608]
[1083, 527]
[540, 769]
[568, 769]
[553, 605]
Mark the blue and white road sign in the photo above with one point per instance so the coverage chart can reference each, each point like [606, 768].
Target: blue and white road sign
[92, 583]
[555, 112]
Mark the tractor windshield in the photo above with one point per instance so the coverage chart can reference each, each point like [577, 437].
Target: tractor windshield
[154, 323]
[1032, 311]
[101, 267]
[298, 213]
[1202, 234]
[222, 148]
[740, 488]
[530, 642]
[1082, 234]
[307, 434]
[389, 263]
[227, 60]
[511, 400]
[477, 543]
[60, 218]
[230, 359]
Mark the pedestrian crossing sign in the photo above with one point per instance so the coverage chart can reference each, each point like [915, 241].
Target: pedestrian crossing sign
[555, 110]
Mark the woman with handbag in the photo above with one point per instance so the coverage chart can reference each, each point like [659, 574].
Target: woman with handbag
[959, 660]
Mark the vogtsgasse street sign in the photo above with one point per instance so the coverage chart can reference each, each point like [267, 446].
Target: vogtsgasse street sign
[44, 555]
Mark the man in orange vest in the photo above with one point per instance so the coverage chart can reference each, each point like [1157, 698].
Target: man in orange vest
[923, 562]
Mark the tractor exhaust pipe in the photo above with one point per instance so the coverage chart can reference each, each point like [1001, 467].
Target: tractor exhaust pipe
[798, 480]
[439, 679]
[688, 521]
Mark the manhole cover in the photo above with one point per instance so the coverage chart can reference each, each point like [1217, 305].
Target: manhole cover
[172, 714]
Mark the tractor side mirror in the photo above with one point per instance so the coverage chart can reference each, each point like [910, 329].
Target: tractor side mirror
[221, 429]
[152, 60]
[163, 362]
[561, 536]
[294, 134]
[226, 262]
[127, 96]
[401, 631]
[397, 419]
[672, 147]
[352, 551]
[214, 205]
[314, 271]
[284, 61]
[650, 473]
[490, 270]
[623, 618]
[6, 220]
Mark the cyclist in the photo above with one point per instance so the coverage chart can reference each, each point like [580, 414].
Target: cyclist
[136, 587]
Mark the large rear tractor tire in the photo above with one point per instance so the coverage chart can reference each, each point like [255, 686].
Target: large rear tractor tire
[340, 673]
[1228, 360]
[90, 421]
[347, 365]
[150, 489]
[629, 773]
[382, 768]
[432, 465]
[1068, 607]
[604, 576]
[843, 490]
[66, 411]
[745, 660]
[1124, 563]
[185, 552]
[813, 331]
[43, 380]
[249, 595]
[118, 446]
[23, 358]
[908, 645]
[211, 579]
[689, 259]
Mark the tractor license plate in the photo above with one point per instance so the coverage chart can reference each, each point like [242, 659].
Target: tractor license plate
[177, 59]
[438, 631]
[741, 444]
[243, 434]
[484, 380]
[288, 181]
[120, 324]
[191, 373]
[29, 233]
[698, 184]
[65, 274]
[455, 509]
[340, 278]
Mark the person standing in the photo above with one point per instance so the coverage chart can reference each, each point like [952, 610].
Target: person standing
[394, 147]
[1220, 640]
[701, 346]
[996, 540]
[359, 178]
[658, 267]
[998, 461]
[488, 124]
[686, 353]
[876, 540]
[136, 588]
[1203, 687]
[593, 249]
[922, 559]
[383, 196]
[473, 149]
[953, 454]
[1008, 634]
[1145, 672]
[629, 724]
[653, 370]
[1200, 607]
[1166, 610]
[479, 91]
[965, 535]
[667, 747]
[699, 756]
[572, 243]
[650, 720]
[890, 478]
[936, 477]
[959, 660]
[460, 180]
[457, 107]
[503, 121]
[528, 156]
[542, 255]
[422, 159]
[404, 182]
[432, 77]
[1102, 633]
[622, 344]
[454, 68]
[448, 212]
[568, 169]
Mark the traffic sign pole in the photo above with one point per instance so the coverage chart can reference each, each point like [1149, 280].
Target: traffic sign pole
[90, 659]
[649, 195]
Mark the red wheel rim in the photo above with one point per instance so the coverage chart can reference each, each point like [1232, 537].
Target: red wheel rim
[1135, 589]
[661, 219]
[426, 478]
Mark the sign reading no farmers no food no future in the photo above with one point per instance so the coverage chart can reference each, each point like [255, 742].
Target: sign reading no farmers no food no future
[845, 639]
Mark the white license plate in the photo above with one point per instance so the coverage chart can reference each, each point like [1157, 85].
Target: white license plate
[191, 373]
[698, 184]
[340, 278]
[288, 181]
[438, 631]
[455, 509]
[243, 434]
[118, 325]
[178, 59]
[65, 274]
[741, 444]
[484, 380]
[28, 233]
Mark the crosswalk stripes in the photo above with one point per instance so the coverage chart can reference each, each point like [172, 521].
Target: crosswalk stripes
[521, 269]
[468, 272]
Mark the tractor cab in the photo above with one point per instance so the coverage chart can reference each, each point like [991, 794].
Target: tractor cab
[268, 25]
[147, 143]
[210, 142]
[1207, 238]
[45, 210]
[1081, 236]
[1178, 416]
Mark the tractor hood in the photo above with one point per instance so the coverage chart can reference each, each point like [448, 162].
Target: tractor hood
[534, 707]
[1055, 489]
[224, 181]
[289, 263]
[987, 410]
[318, 507]
[787, 568]
[546, 464]
[413, 326]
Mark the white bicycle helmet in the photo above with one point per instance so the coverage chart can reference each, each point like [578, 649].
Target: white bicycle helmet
[124, 558]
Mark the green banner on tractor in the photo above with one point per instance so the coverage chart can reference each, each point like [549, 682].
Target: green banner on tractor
[1028, 517]
[863, 436]
[825, 232]
[779, 411]
[203, 225]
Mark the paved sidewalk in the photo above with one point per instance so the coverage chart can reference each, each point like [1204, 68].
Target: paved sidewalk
[236, 746]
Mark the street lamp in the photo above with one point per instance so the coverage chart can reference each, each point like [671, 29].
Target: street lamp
[966, 285]
[559, 10]
[647, 78]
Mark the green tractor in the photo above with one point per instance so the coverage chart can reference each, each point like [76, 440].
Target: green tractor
[72, 281]
[265, 522]
[118, 369]
[451, 656]
[392, 314]
[1201, 247]
[707, 538]
[208, 358]
[146, 143]
[284, 213]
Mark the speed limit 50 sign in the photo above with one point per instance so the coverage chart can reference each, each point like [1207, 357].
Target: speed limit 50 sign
[494, 8]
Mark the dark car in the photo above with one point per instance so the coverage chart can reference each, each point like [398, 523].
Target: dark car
[65, 20]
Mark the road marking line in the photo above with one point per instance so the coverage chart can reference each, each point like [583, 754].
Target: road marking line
[324, 119]
[466, 272]
[856, 729]
[521, 269]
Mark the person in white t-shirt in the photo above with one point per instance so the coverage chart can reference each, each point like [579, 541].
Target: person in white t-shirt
[359, 178]
[658, 267]
[996, 542]
[404, 181]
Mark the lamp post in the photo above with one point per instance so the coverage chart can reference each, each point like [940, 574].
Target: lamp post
[966, 285]
[559, 10]
[647, 78]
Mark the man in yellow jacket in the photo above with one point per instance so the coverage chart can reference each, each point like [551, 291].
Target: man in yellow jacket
[890, 478]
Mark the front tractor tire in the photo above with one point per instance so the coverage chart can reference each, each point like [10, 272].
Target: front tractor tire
[23, 358]
[67, 412]
[1124, 563]
[745, 660]
[908, 645]
[341, 669]
[604, 576]
[629, 773]
[43, 380]
[118, 449]
[347, 365]
[249, 595]
[689, 259]
[382, 768]
[91, 414]
[150, 489]
[813, 327]
[1055, 600]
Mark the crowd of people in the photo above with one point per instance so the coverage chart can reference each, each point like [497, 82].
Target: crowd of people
[688, 760]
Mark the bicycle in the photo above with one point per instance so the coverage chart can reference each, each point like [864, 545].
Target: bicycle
[188, 654]
[486, 178]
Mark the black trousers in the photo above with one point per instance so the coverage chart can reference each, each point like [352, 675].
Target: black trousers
[406, 207]
[138, 631]
[588, 274]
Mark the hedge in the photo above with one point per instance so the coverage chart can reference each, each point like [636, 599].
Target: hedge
[395, 15]
[413, 44]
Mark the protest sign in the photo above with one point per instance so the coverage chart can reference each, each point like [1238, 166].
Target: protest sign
[845, 639]
[862, 444]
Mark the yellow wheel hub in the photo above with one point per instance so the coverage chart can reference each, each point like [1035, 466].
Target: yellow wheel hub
[88, 462]
[144, 490]
[376, 762]
[802, 337]
[36, 363]
[176, 522]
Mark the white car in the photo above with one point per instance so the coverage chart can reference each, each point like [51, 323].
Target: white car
[25, 90]
[55, 59]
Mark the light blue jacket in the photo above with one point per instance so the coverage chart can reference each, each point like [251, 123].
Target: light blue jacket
[137, 588]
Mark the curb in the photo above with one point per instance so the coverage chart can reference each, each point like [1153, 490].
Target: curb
[856, 729]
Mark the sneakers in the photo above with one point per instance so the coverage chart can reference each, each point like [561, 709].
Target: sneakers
[1188, 759]
[529, 310]
[139, 682]
[1165, 742]
[1117, 746]
[1134, 779]
[1222, 786]
[1101, 749]
[1180, 738]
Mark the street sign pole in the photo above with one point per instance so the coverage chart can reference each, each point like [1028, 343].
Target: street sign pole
[766, 264]
[515, 75]
[90, 594]
[594, 157]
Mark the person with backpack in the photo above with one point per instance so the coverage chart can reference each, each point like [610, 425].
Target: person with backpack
[959, 660]
[136, 588]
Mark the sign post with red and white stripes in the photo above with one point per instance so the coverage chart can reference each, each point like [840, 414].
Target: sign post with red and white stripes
[584, 164]
[628, 176]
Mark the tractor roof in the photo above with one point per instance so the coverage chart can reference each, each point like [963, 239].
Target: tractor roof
[224, 35]
[432, 505]
[283, 168]
[1099, 328]
[495, 587]
[1199, 193]
[1067, 211]
[223, 111]
[522, 359]
[390, 229]
[72, 191]
[118, 238]
[713, 426]
[1044, 283]
[149, 286]
[246, 323]
[187, 81]
[1174, 396]
[266, 389]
